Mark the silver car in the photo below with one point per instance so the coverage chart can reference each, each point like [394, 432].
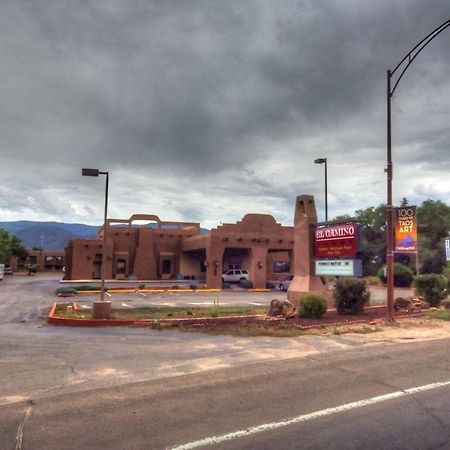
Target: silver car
[284, 285]
[235, 275]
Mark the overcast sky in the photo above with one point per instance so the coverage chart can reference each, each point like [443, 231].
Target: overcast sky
[207, 110]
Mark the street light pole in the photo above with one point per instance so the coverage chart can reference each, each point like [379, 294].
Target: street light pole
[324, 161]
[105, 218]
[102, 309]
[405, 63]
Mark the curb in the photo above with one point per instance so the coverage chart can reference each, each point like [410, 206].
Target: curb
[150, 291]
[196, 321]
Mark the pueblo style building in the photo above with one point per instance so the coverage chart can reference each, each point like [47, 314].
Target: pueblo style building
[170, 250]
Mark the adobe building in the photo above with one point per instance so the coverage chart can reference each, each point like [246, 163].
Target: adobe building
[169, 250]
[45, 260]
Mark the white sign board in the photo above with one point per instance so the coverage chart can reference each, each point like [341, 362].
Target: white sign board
[339, 267]
[447, 249]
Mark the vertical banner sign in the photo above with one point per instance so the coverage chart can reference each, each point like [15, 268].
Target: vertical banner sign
[406, 229]
[447, 249]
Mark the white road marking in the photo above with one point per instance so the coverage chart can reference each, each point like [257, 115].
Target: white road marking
[143, 294]
[306, 417]
[256, 304]
[19, 434]
[209, 303]
[201, 303]
[108, 294]
[126, 306]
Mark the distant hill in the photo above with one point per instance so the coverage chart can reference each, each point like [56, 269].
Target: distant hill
[48, 235]
[52, 235]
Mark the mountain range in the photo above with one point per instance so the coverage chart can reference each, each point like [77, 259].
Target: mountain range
[48, 235]
[52, 235]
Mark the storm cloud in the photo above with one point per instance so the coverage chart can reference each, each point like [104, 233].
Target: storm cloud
[207, 110]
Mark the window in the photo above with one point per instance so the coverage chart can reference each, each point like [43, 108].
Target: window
[281, 267]
[121, 266]
[166, 266]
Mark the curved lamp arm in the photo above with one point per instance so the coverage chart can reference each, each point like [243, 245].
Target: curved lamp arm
[412, 55]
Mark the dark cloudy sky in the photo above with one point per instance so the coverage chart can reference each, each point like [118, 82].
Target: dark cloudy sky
[206, 110]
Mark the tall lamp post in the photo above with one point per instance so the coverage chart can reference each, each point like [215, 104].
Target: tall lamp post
[324, 161]
[404, 64]
[102, 309]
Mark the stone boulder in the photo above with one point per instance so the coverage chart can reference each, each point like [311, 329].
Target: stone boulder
[281, 308]
[410, 304]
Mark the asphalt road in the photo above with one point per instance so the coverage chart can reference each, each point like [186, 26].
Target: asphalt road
[137, 388]
[181, 410]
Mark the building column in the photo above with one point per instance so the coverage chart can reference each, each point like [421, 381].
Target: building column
[258, 267]
[214, 265]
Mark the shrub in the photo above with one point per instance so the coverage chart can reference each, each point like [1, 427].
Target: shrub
[312, 306]
[87, 287]
[351, 294]
[141, 286]
[403, 275]
[226, 285]
[193, 286]
[445, 304]
[31, 268]
[65, 290]
[432, 287]
[247, 284]
[373, 280]
[270, 285]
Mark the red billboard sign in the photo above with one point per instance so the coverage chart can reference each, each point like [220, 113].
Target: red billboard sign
[339, 241]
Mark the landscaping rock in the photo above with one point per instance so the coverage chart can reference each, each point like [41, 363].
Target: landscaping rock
[283, 308]
[402, 303]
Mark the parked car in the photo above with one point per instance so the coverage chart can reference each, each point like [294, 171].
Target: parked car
[284, 285]
[8, 271]
[235, 275]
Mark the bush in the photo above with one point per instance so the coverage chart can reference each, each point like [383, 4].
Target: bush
[141, 286]
[270, 285]
[373, 280]
[312, 306]
[247, 284]
[193, 286]
[351, 294]
[226, 285]
[432, 287]
[445, 304]
[65, 290]
[403, 275]
[87, 287]
[31, 268]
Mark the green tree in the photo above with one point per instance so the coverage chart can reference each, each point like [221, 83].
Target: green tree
[10, 246]
[434, 224]
[373, 237]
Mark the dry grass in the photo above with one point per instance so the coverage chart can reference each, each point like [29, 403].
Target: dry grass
[248, 330]
[159, 313]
